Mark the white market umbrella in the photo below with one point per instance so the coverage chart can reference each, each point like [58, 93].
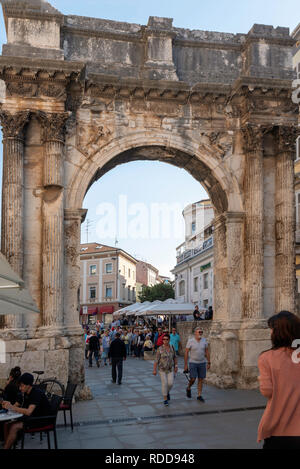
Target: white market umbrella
[173, 308]
[170, 307]
[148, 307]
[14, 297]
[125, 309]
[139, 307]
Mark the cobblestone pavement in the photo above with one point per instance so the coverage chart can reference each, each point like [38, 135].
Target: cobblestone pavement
[132, 416]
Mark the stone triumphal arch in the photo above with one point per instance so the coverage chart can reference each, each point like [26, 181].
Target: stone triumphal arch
[82, 95]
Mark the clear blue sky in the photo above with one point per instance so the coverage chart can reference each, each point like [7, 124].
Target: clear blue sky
[144, 182]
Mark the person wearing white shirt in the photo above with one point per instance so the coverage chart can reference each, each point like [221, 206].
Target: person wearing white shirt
[199, 361]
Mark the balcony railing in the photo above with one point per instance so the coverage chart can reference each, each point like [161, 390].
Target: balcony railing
[190, 253]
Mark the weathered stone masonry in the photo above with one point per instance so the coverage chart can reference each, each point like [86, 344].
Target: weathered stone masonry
[83, 95]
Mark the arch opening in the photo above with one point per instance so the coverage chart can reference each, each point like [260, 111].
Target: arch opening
[176, 157]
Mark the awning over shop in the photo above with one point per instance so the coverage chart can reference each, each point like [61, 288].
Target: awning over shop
[14, 297]
[92, 310]
[106, 309]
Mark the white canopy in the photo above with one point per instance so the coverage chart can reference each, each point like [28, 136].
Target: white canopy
[126, 309]
[14, 298]
[146, 307]
[156, 308]
[171, 307]
[131, 309]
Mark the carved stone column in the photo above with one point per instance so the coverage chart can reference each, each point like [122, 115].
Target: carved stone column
[73, 330]
[253, 236]
[220, 269]
[12, 239]
[73, 220]
[235, 262]
[53, 134]
[285, 219]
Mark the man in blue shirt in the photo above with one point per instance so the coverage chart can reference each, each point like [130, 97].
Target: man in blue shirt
[174, 340]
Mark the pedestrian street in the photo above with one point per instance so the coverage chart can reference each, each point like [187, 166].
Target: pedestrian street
[132, 415]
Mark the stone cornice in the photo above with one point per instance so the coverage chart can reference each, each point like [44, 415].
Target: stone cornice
[235, 217]
[207, 45]
[260, 83]
[289, 42]
[152, 89]
[72, 214]
[28, 10]
[20, 64]
[252, 96]
[29, 14]
[125, 37]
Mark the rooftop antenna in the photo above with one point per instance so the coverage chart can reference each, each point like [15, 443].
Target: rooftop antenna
[88, 225]
[116, 242]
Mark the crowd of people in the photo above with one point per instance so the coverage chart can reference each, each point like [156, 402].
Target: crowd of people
[117, 342]
[279, 374]
[137, 340]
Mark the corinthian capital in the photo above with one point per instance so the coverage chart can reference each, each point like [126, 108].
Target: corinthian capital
[287, 136]
[252, 138]
[13, 124]
[53, 125]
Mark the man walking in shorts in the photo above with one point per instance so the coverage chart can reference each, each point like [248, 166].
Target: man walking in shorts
[199, 362]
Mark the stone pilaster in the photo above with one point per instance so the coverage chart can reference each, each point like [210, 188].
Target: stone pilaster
[73, 220]
[253, 235]
[235, 262]
[53, 129]
[285, 219]
[159, 64]
[12, 239]
[220, 269]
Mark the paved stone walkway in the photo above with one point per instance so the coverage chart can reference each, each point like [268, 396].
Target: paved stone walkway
[132, 416]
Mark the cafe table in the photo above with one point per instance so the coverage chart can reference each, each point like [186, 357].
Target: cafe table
[10, 415]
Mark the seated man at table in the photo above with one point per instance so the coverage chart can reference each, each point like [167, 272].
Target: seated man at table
[35, 404]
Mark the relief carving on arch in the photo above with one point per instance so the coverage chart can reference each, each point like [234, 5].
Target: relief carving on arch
[220, 143]
[90, 137]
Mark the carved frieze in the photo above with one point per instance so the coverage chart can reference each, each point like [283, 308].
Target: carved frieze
[53, 125]
[90, 137]
[13, 124]
[37, 89]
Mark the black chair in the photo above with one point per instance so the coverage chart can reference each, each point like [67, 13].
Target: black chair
[45, 424]
[67, 402]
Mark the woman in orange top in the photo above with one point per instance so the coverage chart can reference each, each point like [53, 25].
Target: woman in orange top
[280, 382]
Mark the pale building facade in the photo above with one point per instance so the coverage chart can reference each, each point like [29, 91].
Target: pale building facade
[194, 278]
[146, 275]
[108, 281]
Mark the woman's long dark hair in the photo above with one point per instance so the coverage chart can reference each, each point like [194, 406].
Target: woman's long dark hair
[15, 373]
[285, 329]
